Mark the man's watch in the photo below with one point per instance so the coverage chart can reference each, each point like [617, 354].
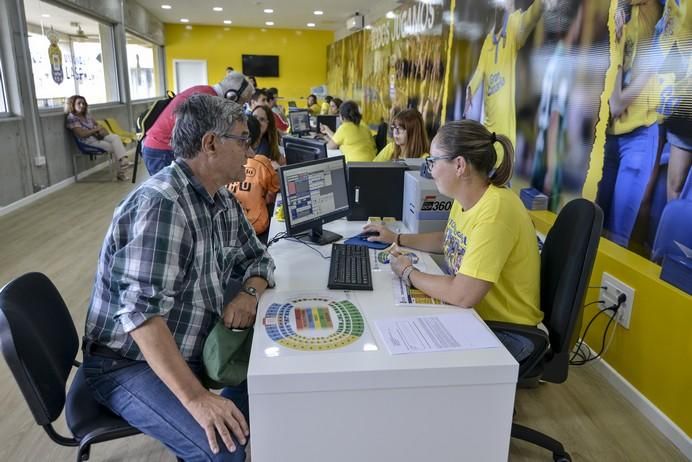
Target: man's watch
[251, 291]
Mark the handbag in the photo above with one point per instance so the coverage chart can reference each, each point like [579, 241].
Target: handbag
[226, 356]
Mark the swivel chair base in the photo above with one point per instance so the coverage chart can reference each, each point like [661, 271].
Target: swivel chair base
[539, 439]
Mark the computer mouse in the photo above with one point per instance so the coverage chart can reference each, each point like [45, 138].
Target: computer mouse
[367, 234]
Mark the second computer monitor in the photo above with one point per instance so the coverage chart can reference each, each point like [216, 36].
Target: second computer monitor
[376, 189]
[314, 193]
[330, 121]
[300, 122]
[299, 150]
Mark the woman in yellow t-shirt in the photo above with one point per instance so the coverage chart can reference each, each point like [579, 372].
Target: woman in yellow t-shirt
[353, 136]
[410, 138]
[489, 244]
[313, 107]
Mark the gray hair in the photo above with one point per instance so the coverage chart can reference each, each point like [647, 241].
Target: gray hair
[199, 115]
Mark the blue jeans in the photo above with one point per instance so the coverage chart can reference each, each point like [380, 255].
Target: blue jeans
[627, 166]
[156, 159]
[132, 390]
[518, 346]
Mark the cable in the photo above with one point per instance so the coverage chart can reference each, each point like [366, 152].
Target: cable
[309, 246]
[581, 339]
[598, 287]
[277, 237]
[587, 357]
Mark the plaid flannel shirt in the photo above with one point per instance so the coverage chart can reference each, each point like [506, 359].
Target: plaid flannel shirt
[170, 251]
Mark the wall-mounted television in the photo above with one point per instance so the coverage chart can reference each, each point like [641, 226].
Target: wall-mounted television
[261, 65]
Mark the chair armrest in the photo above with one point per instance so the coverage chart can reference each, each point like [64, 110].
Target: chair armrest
[533, 333]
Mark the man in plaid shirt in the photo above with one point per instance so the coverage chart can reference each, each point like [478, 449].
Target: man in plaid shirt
[175, 247]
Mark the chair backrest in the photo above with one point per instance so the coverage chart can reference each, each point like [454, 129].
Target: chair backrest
[381, 136]
[567, 260]
[673, 226]
[39, 342]
[87, 149]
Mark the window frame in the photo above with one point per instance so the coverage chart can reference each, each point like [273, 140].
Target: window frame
[159, 60]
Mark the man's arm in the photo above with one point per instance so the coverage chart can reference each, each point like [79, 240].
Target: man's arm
[529, 19]
[213, 412]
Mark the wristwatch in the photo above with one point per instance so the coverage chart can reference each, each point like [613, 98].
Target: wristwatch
[251, 291]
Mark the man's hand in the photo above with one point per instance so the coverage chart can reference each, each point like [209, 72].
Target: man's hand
[240, 312]
[216, 414]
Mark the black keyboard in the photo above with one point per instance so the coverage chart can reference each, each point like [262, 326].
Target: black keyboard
[350, 268]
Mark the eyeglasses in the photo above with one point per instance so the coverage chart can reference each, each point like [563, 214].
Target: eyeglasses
[430, 161]
[244, 139]
[397, 128]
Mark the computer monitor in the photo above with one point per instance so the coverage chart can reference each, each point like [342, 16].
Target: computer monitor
[330, 121]
[314, 193]
[298, 150]
[300, 122]
[376, 189]
[292, 104]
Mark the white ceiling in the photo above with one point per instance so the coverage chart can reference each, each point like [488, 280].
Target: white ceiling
[289, 14]
[46, 15]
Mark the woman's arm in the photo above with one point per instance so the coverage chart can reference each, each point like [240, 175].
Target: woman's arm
[428, 242]
[329, 134]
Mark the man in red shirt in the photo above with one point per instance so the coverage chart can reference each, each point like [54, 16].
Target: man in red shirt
[156, 148]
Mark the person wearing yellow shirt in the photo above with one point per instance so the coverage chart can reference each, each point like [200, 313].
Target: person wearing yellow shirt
[496, 70]
[313, 107]
[632, 135]
[410, 138]
[489, 244]
[334, 106]
[353, 136]
[324, 109]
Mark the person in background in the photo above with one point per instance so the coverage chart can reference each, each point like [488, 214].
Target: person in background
[257, 192]
[334, 106]
[353, 135]
[259, 98]
[229, 69]
[156, 148]
[89, 132]
[178, 246]
[490, 242]
[324, 110]
[268, 142]
[279, 118]
[313, 107]
[410, 138]
[253, 81]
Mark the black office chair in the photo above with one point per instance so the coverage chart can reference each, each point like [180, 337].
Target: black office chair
[381, 136]
[40, 344]
[566, 263]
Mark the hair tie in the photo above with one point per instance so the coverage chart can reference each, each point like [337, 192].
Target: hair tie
[493, 137]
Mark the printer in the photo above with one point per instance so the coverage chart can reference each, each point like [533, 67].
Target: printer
[424, 208]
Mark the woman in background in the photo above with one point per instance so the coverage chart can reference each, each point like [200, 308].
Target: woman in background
[410, 138]
[489, 244]
[89, 132]
[352, 137]
[313, 107]
[334, 106]
[268, 142]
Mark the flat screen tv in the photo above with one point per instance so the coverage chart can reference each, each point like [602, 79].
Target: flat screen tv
[261, 65]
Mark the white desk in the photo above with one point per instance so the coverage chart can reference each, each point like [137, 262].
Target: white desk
[369, 405]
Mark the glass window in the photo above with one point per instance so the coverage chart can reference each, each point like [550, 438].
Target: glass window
[3, 100]
[70, 54]
[144, 68]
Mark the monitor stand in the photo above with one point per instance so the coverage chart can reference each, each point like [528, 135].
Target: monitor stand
[319, 236]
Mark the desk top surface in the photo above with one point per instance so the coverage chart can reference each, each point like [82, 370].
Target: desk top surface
[301, 271]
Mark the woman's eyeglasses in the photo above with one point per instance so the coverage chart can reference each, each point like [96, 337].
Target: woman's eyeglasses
[430, 161]
[398, 128]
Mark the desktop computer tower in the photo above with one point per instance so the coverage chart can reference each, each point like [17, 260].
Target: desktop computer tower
[375, 189]
[425, 209]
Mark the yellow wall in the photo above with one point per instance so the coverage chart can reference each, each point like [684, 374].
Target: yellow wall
[655, 354]
[302, 54]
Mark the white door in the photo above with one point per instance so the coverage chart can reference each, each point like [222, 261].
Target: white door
[188, 73]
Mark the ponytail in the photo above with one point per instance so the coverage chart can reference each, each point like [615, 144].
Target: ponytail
[500, 175]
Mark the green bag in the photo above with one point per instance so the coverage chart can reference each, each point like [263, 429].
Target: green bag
[226, 356]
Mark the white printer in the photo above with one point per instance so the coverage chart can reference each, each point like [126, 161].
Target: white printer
[425, 209]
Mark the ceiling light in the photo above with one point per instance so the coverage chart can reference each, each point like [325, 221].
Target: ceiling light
[390, 15]
[45, 15]
[368, 27]
[217, 8]
[188, 27]
[318, 12]
[227, 21]
[268, 10]
[269, 23]
[166, 7]
[311, 24]
[184, 20]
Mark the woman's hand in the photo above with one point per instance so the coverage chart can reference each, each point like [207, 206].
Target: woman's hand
[398, 262]
[384, 233]
[326, 130]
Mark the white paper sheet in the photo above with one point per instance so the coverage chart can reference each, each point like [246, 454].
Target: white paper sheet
[419, 334]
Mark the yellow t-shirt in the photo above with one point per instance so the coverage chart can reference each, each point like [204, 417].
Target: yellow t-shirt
[640, 28]
[324, 110]
[314, 109]
[495, 241]
[355, 142]
[387, 153]
[496, 70]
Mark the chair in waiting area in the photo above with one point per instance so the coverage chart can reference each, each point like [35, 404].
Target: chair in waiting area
[114, 127]
[40, 344]
[91, 151]
[567, 260]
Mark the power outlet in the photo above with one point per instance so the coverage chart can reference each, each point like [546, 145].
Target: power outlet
[40, 161]
[611, 288]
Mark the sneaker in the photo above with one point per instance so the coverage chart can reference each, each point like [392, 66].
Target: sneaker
[122, 177]
[126, 164]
